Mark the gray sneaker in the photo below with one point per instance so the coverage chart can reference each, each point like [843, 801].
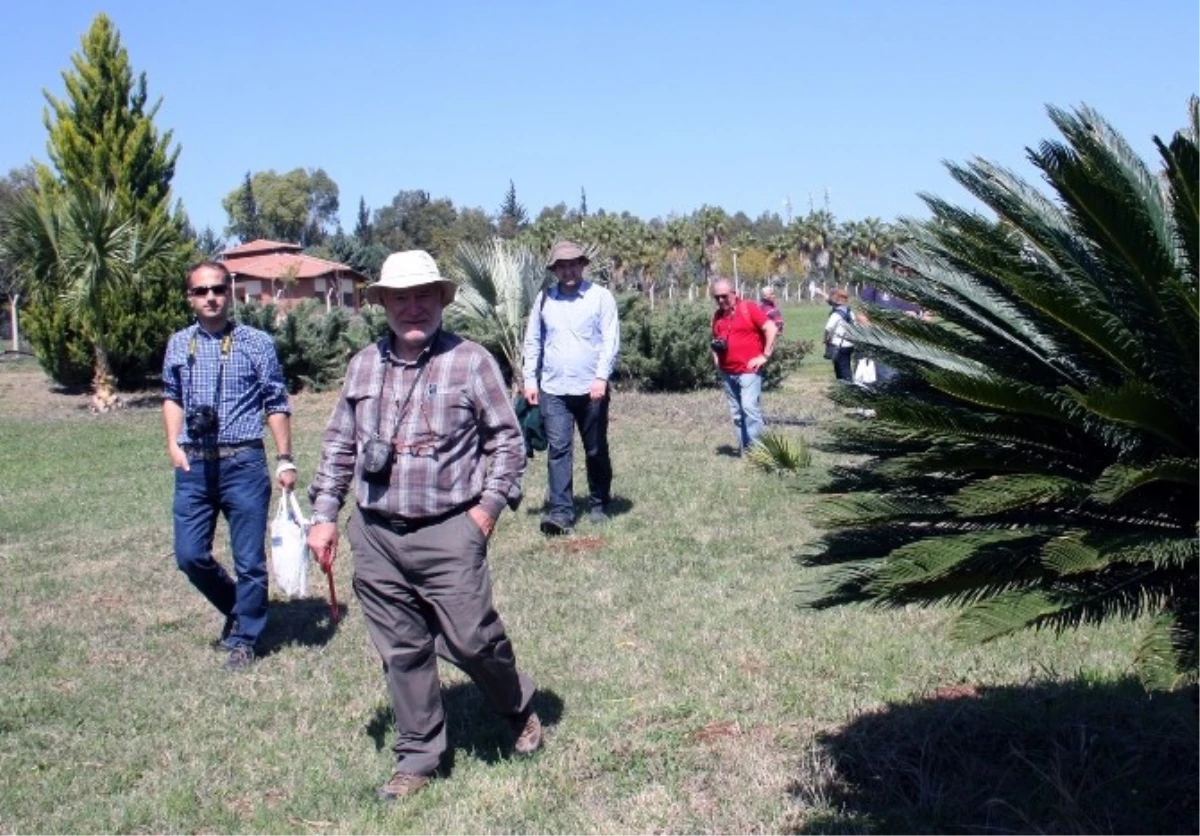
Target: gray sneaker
[240, 658]
[597, 516]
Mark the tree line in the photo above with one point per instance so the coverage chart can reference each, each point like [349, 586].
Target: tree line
[301, 206]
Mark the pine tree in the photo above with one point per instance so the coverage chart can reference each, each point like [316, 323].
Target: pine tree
[513, 217]
[363, 230]
[247, 224]
[582, 202]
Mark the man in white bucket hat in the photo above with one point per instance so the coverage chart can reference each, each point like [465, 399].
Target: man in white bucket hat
[425, 437]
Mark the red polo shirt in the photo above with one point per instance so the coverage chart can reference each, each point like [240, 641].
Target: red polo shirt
[741, 328]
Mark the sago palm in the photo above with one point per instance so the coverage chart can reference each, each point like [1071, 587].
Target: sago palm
[1035, 462]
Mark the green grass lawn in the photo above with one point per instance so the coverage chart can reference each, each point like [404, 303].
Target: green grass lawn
[684, 688]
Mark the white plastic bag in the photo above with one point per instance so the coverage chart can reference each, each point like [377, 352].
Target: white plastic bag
[864, 372]
[289, 547]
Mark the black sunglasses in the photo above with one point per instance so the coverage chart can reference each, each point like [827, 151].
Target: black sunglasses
[202, 290]
[720, 296]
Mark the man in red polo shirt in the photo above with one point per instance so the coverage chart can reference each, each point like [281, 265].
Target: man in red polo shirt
[742, 341]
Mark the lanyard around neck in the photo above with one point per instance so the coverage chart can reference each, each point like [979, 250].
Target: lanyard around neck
[226, 351]
[383, 386]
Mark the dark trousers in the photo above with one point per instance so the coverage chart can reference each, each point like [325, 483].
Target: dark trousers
[426, 593]
[561, 414]
[240, 488]
[843, 368]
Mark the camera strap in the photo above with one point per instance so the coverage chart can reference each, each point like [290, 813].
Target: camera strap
[542, 336]
[403, 408]
[226, 351]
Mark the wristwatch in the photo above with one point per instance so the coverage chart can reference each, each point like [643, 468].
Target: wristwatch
[316, 519]
[285, 457]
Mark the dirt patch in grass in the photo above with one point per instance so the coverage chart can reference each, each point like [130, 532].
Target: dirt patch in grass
[27, 392]
[583, 544]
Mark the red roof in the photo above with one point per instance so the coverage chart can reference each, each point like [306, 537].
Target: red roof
[263, 259]
[292, 265]
[258, 247]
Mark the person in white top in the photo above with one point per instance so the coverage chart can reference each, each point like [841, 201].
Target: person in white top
[571, 346]
[838, 346]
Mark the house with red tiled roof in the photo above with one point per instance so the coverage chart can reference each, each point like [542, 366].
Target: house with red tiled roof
[273, 271]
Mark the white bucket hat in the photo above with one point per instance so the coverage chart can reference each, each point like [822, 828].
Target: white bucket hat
[412, 268]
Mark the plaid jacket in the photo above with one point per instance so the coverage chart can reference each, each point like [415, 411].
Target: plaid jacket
[455, 437]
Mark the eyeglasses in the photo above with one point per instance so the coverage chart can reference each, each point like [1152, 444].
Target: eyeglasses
[202, 291]
[720, 297]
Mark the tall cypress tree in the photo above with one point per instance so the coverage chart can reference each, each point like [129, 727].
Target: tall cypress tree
[245, 221]
[102, 139]
[512, 217]
[102, 135]
[363, 230]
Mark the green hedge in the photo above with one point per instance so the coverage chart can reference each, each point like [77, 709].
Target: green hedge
[313, 345]
[666, 349]
[139, 322]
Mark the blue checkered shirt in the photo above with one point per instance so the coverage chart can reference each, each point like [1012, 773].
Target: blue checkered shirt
[250, 387]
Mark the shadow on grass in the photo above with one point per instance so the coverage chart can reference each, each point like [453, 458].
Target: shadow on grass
[143, 400]
[471, 726]
[789, 420]
[302, 621]
[1047, 758]
[616, 506]
[728, 450]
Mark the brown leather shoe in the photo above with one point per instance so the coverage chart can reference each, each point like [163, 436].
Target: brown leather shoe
[528, 731]
[401, 784]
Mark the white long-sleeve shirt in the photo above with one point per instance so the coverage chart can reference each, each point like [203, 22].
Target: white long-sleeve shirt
[835, 327]
[582, 338]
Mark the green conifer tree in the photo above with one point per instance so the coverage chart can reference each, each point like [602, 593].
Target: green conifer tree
[102, 134]
[102, 139]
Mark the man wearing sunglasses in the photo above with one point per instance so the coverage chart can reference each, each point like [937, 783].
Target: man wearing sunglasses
[220, 380]
[742, 341]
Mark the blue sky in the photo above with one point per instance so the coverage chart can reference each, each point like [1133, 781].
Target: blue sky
[653, 107]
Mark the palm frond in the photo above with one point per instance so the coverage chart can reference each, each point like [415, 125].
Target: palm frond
[774, 452]
[1036, 460]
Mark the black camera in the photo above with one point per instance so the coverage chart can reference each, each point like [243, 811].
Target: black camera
[377, 461]
[719, 345]
[201, 422]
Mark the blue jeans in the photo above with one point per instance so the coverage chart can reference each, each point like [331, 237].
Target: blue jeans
[560, 415]
[240, 488]
[743, 392]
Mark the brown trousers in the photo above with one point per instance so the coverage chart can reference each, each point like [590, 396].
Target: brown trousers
[427, 593]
